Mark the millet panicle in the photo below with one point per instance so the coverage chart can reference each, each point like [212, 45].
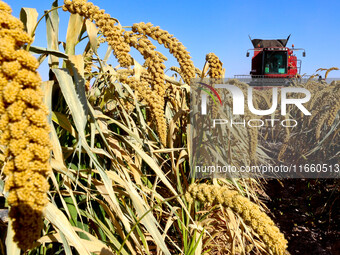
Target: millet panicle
[24, 131]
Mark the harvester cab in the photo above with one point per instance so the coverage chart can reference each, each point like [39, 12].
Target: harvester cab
[273, 63]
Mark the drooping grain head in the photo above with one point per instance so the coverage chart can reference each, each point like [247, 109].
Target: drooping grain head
[24, 131]
[249, 211]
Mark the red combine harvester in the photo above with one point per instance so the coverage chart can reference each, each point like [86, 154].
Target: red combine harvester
[273, 63]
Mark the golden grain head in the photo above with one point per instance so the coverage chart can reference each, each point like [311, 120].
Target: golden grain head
[249, 211]
[22, 110]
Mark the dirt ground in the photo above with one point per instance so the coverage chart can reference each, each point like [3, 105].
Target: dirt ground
[308, 212]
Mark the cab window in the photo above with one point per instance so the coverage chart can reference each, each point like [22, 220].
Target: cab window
[275, 62]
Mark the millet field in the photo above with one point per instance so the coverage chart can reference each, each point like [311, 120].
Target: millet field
[96, 159]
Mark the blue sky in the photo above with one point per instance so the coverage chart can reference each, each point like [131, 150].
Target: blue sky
[222, 27]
